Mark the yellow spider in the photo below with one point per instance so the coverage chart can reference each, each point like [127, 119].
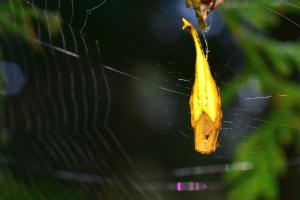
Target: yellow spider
[205, 101]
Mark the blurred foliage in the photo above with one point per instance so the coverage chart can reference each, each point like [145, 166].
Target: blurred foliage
[275, 63]
[17, 20]
[12, 188]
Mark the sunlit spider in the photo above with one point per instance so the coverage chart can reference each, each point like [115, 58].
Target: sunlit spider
[205, 101]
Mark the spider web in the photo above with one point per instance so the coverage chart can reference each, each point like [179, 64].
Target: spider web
[101, 110]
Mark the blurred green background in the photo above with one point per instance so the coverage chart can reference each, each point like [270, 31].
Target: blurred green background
[94, 100]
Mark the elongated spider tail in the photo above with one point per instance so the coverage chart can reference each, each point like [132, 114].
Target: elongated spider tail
[186, 24]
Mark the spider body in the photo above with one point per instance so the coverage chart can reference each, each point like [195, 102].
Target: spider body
[205, 101]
